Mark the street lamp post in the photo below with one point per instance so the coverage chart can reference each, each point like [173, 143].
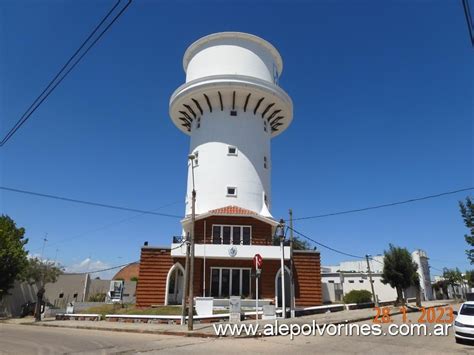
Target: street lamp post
[191, 256]
[185, 283]
[282, 274]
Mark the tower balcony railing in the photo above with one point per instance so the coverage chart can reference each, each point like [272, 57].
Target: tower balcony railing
[178, 239]
[231, 251]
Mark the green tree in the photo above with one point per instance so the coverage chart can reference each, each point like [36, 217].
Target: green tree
[467, 212]
[469, 277]
[442, 285]
[13, 256]
[298, 243]
[453, 277]
[399, 270]
[41, 272]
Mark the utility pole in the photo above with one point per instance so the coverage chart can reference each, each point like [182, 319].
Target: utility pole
[191, 269]
[44, 244]
[374, 296]
[292, 281]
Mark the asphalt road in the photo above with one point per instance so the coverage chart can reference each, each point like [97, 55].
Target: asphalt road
[28, 339]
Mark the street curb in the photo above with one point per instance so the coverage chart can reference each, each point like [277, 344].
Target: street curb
[140, 331]
[210, 335]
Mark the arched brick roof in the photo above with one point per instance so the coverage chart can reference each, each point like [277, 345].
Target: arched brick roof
[127, 272]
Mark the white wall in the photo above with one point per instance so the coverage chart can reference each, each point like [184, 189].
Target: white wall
[232, 53]
[358, 281]
[216, 170]
[361, 265]
[361, 282]
[22, 292]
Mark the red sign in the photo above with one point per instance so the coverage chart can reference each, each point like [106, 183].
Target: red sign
[258, 261]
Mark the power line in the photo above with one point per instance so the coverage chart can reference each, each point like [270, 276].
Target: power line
[102, 270]
[37, 102]
[97, 204]
[179, 246]
[116, 267]
[326, 246]
[385, 205]
[470, 24]
[22, 118]
[435, 268]
[106, 226]
[377, 261]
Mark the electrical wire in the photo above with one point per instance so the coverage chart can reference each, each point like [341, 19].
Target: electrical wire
[115, 267]
[470, 24]
[102, 270]
[384, 205]
[326, 246]
[37, 102]
[118, 266]
[60, 71]
[376, 261]
[97, 204]
[179, 246]
[80, 235]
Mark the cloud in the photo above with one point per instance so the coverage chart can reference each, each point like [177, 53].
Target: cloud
[89, 265]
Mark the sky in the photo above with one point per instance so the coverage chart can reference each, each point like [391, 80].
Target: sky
[383, 111]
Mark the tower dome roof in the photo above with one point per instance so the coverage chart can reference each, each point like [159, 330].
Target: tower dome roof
[221, 37]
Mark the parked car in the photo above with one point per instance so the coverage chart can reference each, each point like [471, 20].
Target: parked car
[464, 322]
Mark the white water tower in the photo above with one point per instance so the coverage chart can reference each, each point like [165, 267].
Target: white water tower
[231, 106]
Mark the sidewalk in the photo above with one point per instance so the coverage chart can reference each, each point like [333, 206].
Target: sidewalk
[207, 329]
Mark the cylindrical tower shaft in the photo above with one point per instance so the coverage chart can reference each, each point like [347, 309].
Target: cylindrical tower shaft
[231, 106]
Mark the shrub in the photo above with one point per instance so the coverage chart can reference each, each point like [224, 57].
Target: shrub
[134, 278]
[358, 296]
[98, 297]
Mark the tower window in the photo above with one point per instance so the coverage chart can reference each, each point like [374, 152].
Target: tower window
[196, 159]
[231, 191]
[265, 163]
[265, 125]
[231, 150]
[233, 113]
[198, 123]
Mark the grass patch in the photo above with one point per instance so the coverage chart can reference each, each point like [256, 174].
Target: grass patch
[156, 311]
[132, 310]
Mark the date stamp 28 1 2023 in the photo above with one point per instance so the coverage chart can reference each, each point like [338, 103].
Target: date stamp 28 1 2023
[428, 315]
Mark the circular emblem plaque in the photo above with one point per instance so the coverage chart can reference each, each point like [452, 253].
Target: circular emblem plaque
[232, 251]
